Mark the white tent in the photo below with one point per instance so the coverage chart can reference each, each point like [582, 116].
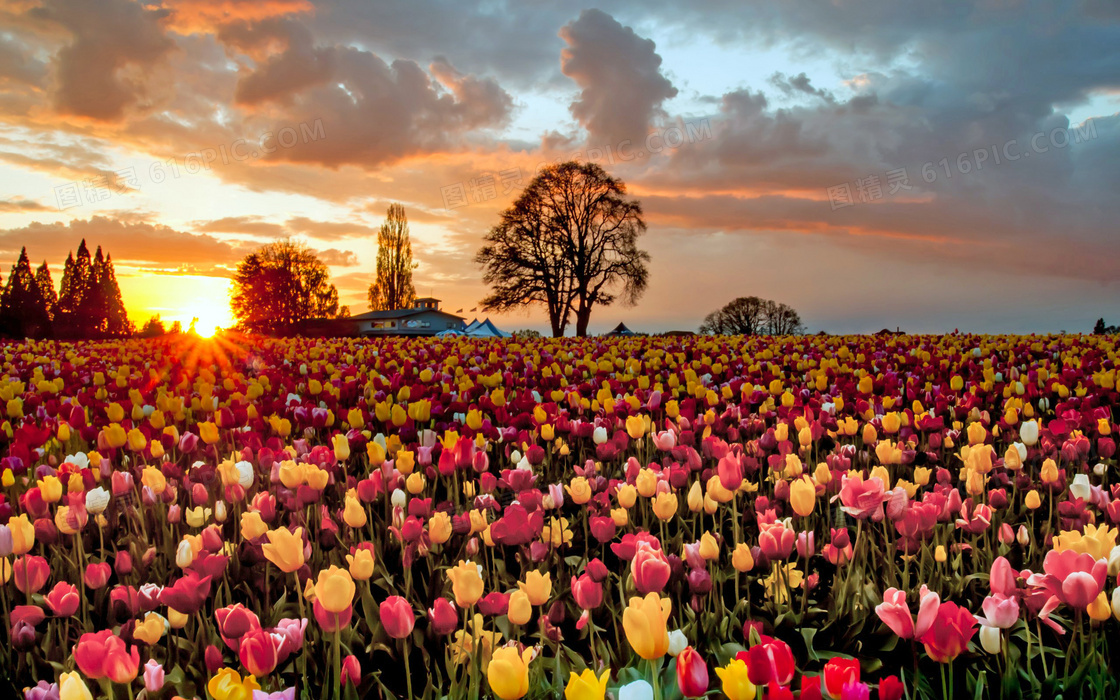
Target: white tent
[484, 329]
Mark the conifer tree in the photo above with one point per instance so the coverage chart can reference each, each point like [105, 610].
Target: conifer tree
[46, 288]
[23, 310]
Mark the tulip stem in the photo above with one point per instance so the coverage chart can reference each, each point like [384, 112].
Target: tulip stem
[337, 657]
[407, 667]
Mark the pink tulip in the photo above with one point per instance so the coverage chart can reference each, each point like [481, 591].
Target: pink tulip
[861, 498]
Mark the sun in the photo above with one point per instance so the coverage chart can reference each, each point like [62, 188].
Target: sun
[206, 323]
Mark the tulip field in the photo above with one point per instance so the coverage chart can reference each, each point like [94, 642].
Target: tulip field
[857, 517]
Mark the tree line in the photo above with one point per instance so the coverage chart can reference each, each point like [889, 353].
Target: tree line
[568, 243]
[87, 305]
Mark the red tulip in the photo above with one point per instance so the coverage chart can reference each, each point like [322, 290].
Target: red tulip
[838, 673]
[770, 660]
[213, 658]
[776, 540]
[31, 573]
[331, 622]
[97, 575]
[351, 672]
[890, 688]
[692, 673]
[234, 621]
[259, 651]
[188, 594]
[950, 633]
[103, 655]
[650, 569]
[810, 688]
[63, 600]
[397, 617]
[442, 617]
[494, 604]
[587, 592]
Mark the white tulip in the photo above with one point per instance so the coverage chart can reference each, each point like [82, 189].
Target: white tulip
[638, 690]
[599, 436]
[1100, 468]
[1022, 450]
[184, 555]
[1028, 433]
[80, 459]
[677, 642]
[97, 500]
[245, 474]
[1114, 561]
[1080, 487]
[399, 499]
[1116, 602]
[990, 639]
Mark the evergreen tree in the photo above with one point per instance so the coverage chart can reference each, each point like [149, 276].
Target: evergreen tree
[76, 282]
[23, 310]
[116, 317]
[1099, 328]
[93, 306]
[46, 288]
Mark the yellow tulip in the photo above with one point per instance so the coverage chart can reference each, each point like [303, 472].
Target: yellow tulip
[709, 547]
[537, 586]
[586, 686]
[736, 684]
[284, 549]
[665, 506]
[627, 496]
[520, 609]
[439, 527]
[361, 564]
[508, 673]
[742, 559]
[136, 440]
[50, 488]
[151, 629]
[580, 490]
[644, 622]
[635, 427]
[208, 432]
[803, 496]
[252, 526]
[334, 589]
[354, 514]
[228, 685]
[466, 583]
[72, 687]
[23, 534]
[1033, 501]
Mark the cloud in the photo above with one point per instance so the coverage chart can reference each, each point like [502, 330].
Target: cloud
[16, 204]
[619, 74]
[338, 258]
[252, 225]
[327, 230]
[116, 48]
[131, 242]
[372, 112]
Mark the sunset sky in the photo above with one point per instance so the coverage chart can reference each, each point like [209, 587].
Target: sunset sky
[181, 134]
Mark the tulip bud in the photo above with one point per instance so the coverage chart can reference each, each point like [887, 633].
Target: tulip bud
[940, 554]
[1023, 536]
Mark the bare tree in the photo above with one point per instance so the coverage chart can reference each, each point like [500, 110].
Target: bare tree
[393, 288]
[569, 242]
